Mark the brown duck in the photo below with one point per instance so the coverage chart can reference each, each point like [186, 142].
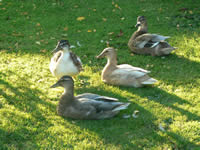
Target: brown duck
[87, 106]
[142, 42]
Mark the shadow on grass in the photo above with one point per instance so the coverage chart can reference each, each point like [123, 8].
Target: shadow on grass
[172, 68]
[123, 133]
[134, 133]
[26, 117]
[164, 98]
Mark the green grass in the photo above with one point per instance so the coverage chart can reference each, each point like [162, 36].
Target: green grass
[30, 30]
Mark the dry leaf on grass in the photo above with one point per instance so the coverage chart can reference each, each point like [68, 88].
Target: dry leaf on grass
[78, 43]
[161, 127]
[38, 42]
[135, 114]
[65, 28]
[43, 50]
[121, 33]
[80, 18]
[126, 116]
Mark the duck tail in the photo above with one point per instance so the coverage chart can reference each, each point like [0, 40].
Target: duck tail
[121, 107]
[149, 81]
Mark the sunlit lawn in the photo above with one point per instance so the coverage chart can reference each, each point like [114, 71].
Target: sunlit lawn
[169, 112]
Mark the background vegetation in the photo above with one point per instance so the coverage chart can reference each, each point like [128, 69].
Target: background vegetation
[168, 112]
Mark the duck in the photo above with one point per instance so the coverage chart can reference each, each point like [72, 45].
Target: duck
[86, 106]
[124, 74]
[64, 62]
[142, 42]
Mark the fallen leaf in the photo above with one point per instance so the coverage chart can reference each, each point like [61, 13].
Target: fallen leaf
[75, 6]
[38, 42]
[161, 127]
[38, 24]
[190, 12]
[110, 33]
[94, 10]
[65, 28]
[43, 50]
[65, 35]
[104, 19]
[72, 46]
[89, 30]
[135, 114]
[122, 18]
[117, 6]
[18, 34]
[80, 18]
[25, 13]
[94, 30]
[78, 43]
[121, 33]
[101, 41]
[126, 116]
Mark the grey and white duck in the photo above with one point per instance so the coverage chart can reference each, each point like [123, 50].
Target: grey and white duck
[64, 62]
[142, 42]
[124, 74]
[86, 106]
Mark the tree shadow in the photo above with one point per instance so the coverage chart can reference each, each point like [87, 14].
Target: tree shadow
[133, 130]
[164, 98]
[175, 68]
[28, 114]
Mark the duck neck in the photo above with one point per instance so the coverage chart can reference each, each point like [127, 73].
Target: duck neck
[67, 97]
[112, 60]
[143, 28]
[66, 49]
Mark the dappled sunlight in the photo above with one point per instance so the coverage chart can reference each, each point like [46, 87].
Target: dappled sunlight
[168, 112]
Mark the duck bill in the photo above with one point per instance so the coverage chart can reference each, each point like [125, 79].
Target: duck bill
[54, 86]
[100, 56]
[56, 49]
[137, 25]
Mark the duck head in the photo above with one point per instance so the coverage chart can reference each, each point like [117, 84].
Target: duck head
[107, 52]
[141, 22]
[65, 81]
[62, 45]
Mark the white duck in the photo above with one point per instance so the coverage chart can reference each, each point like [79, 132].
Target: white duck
[125, 75]
[64, 62]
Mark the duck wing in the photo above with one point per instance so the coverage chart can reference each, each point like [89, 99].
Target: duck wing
[96, 97]
[56, 56]
[149, 40]
[101, 105]
[132, 68]
[85, 108]
[76, 60]
[128, 70]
